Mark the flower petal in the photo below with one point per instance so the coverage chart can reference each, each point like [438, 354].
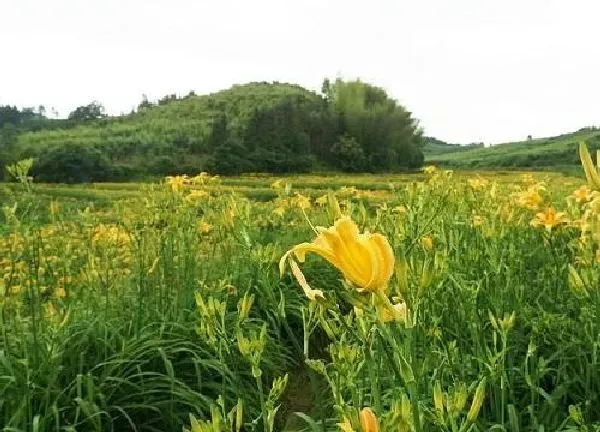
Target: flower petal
[308, 291]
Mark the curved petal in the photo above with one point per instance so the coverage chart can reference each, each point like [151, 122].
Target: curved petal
[312, 294]
[385, 258]
[303, 248]
[352, 256]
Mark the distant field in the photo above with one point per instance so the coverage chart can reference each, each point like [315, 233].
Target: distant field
[559, 152]
[258, 187]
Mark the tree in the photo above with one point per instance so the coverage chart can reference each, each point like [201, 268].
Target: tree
[230, 158]
[72, 163]
[218, 134]
[10, 115]
[167, 99]
[348, 154]
[144, 104]
[92, 111]
[388, 135]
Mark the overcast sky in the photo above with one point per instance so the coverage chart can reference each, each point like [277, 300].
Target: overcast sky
[469, 70]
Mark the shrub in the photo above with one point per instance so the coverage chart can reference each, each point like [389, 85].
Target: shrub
[72, 163]
[348, 155]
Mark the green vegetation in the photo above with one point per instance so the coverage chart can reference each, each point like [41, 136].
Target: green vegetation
[257, 127]
[556, 152]
[434, 146]
[128, 307]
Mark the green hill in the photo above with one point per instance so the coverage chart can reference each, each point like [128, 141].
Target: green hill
[176, 136]
[558, 151]
[433, 146]
[256, 127]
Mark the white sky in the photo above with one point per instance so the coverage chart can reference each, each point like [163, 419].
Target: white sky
[470, 70]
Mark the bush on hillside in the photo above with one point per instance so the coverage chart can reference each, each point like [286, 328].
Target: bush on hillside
[348, 154]
[72, 163]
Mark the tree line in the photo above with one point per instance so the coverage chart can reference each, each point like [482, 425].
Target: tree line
[349, 126]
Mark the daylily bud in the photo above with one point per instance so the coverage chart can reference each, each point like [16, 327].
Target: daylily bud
[460, 397]
[239, 410]
[575, 282]
[426, 277]
[508, 322]
[368, 421]
[438, 401]
[244, 306]
[477, 402]
[427, 242]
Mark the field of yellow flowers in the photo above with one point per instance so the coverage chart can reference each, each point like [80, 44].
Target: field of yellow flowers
[437, 301]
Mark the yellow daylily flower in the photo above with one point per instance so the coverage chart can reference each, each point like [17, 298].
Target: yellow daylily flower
[322, 200]
[177, 183]
[477, 220]
[582, 195]
[397, 313]
[531, 198]
[204, 227]
[549, 218]
[527, 178]
[279, 211]
[427, 242]
[478, 183]
[365, 259]
[301, 201]
[200, 178]
[196, 195]
[368, 421]
[345, 425]
[277, 184]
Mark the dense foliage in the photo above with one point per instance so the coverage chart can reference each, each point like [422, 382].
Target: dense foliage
[257, 127]
[127, 307]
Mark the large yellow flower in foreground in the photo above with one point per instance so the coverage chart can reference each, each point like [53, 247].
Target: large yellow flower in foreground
[365, 259]
[549, 218]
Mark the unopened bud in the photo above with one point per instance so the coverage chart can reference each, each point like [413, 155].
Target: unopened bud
[368, 421]
[239, 414]
[438, 400]
[316, 365]
[575, 282]
[426, 277]
[244, 306]
[477, 402]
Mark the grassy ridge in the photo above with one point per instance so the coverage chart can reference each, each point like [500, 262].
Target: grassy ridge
[536, 153]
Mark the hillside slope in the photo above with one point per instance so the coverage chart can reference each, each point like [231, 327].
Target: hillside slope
[537, 153]
[255, 127]
[174, 137]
